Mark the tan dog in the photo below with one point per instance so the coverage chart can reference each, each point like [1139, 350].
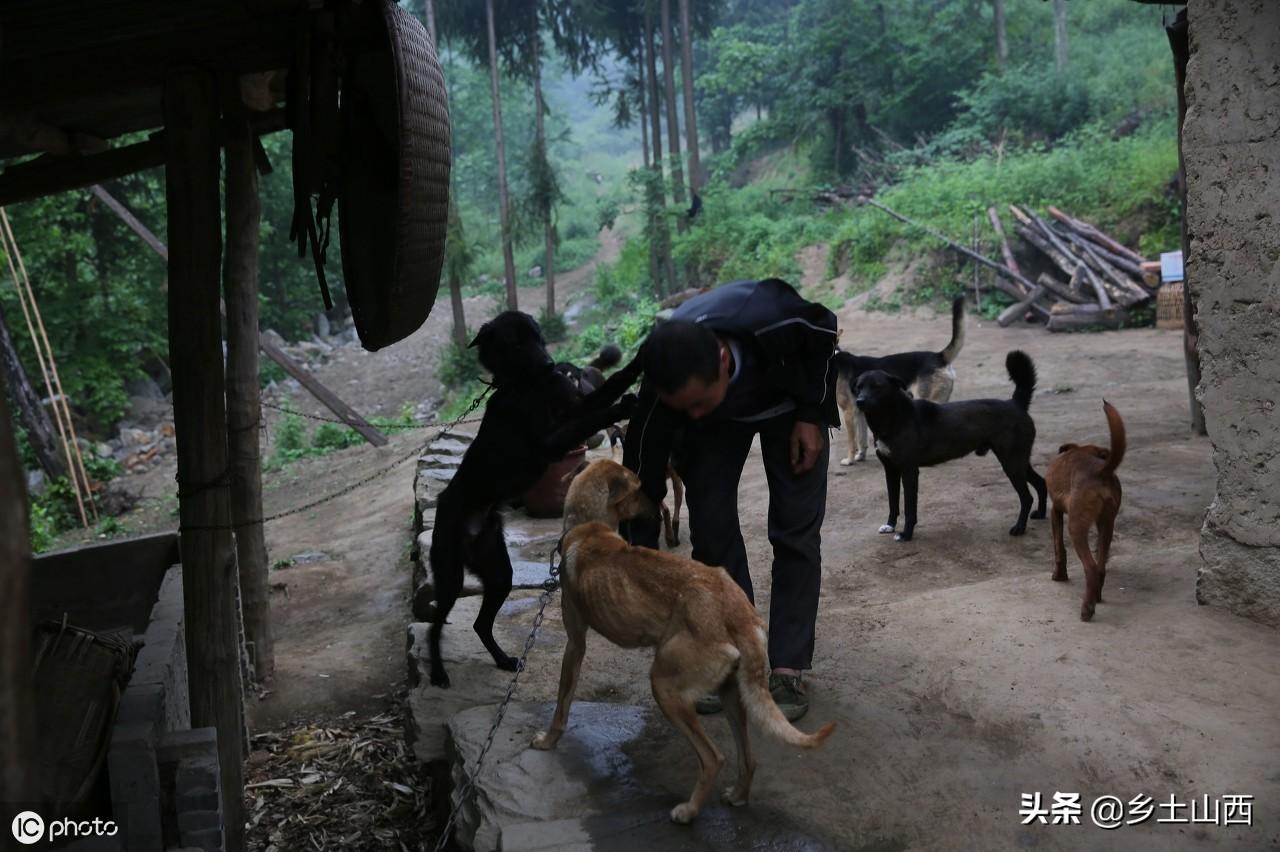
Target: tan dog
[670, 520]
[1082, 481]
[707, 634]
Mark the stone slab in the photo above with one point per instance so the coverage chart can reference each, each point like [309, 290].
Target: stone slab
[437, 460]
[475, 680]
[608, 785]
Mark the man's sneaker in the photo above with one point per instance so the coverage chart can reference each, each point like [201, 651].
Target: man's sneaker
[708, 704]
[789, 694]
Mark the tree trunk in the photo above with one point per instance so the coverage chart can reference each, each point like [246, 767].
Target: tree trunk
[673, 124]
[663, 236]
[31, 414]
[459, 319]
[192, 126]
[1060, 34]
[17, 721]
[1002, 37]
[430, 14]
[455, 282]
[1179, 42]
[655, 266]
[540, 143]
[504, 203]
[690, 113]
[244, 409]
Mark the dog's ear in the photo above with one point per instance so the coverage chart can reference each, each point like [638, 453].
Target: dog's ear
[1065, 447]
[622, 485]
[485, 331]
[898, 382]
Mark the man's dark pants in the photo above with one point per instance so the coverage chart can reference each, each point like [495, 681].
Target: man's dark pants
[710, 462]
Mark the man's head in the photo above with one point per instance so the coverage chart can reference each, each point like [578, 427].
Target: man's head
[688, 366]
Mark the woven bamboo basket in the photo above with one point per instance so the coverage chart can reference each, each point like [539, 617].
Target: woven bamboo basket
[78, 678]
[393, 209]
[1169, 306]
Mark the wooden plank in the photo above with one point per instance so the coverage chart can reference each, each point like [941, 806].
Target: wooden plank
[199, 415]
[17, 718]
[319, 391]
[48, 175]
[244, 409]
[270, 349]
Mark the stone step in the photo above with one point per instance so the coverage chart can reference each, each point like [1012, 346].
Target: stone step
[609, 784]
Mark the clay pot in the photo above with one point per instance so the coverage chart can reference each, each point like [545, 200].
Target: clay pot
[546, 498]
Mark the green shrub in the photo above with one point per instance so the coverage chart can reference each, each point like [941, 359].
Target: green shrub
[459, 366]
[553, 326]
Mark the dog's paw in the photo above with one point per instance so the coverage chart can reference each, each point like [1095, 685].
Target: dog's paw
[440, 679]
[1086, 613]
[1040, 515]
[683, 813]
[1059, 576]
[507, 664]
[1017, 529]
[733, 797]
[885, 529]
[544, 741]
[902, 536]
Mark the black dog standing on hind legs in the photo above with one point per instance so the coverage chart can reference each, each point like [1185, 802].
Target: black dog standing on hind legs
[535, 416]
[915, 433]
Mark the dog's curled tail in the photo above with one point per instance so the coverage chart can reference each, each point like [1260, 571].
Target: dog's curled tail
[957, 331]
[1116, 425]
[1023, 374]
[610, 356]
[753, 686]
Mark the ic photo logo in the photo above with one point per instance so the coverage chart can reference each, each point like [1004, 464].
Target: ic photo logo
[28, 828]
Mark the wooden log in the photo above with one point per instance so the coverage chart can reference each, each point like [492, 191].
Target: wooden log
[31, 414]
[195, 357]
[1060, 290]
[1009, 260]
[244, 410]
[1092, 255]
[1019, 309]
[1009, 287]
[1092, 233]
[272, 350]
[1104, 300]
[17, 717]
[1066, 263]
[1082, 317]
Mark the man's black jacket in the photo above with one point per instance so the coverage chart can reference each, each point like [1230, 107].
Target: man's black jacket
[795, 340]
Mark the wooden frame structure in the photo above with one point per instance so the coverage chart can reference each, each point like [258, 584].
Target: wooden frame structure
[194, 76]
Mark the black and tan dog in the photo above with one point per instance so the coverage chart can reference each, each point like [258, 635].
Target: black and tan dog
[915, 433]
[535, 416]
[929, 374]
[590, 377]
[705, 634]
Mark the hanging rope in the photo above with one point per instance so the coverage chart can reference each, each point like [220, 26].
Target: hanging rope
[49, 371]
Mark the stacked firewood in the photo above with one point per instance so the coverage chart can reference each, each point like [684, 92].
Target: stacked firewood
[1094, 281]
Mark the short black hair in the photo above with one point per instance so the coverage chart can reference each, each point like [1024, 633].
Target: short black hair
[679, 350]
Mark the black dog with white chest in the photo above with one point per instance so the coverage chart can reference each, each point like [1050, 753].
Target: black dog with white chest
[535, 416]
[915, 433]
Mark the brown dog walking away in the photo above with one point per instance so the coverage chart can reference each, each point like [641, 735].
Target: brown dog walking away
[707, 634]
[1082, 481]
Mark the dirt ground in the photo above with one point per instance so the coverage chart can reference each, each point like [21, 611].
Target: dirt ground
[961, 676]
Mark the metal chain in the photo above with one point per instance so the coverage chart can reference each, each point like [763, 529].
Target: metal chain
[475, 403]
[384, 427]
[549, 587]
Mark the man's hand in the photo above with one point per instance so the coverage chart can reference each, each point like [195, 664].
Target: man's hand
[807, 442]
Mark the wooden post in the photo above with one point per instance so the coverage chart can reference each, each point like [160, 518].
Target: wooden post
[200, 420]
[17, 728]
[244, 411]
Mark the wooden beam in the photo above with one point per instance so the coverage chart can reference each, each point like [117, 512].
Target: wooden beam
[48, 175]
[272, 350]
[199, 415]
[17, 719]
[319, 391]
[244, 409]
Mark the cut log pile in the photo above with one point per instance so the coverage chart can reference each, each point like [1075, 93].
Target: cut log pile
[1095, 280]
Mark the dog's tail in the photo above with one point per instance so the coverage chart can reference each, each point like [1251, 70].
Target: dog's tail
[1023, 373]
[957, 331]
[753, 686]
[609, 357]
[1116, 425]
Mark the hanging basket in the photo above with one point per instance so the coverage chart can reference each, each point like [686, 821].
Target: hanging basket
[393, 199]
